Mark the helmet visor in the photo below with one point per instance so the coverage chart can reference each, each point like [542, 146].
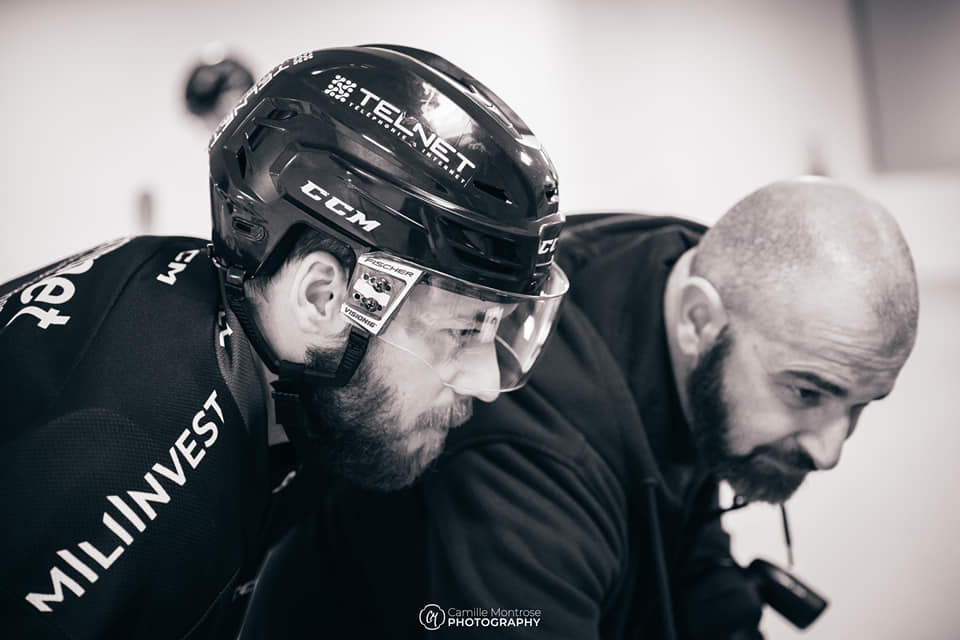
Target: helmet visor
[478, 340]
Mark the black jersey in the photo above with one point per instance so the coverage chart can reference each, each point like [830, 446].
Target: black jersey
[133, 448]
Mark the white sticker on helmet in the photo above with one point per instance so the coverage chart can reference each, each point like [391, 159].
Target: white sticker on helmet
[418, 131]
[376, 290]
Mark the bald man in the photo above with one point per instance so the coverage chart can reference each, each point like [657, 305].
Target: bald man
[574, 507]
[792, 314]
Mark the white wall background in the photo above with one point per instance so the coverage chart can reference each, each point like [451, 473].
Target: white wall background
[680, 106]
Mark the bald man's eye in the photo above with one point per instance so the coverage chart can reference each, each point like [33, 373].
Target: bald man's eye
[804, 396]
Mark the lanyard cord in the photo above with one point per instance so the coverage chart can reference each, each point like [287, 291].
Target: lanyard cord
[786, 534]
[739, 503]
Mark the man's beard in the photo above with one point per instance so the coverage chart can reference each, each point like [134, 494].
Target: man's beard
[756, 476]
[354, 430]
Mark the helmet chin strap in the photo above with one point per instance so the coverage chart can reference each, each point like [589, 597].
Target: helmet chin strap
[294, 379]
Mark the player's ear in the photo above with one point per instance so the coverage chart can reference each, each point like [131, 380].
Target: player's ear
[318, 286]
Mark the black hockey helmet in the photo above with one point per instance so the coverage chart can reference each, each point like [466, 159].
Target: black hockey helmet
[395, 149]
[401, 155]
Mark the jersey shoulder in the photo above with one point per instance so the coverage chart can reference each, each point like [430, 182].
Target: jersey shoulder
[53, 318]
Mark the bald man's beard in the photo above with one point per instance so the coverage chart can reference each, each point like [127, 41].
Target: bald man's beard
[766, 474]
[356, 434]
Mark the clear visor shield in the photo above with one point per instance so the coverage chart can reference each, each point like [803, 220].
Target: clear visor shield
[477, 340]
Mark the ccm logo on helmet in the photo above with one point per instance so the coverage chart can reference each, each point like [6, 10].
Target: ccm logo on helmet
[546, 246]
[338, 206]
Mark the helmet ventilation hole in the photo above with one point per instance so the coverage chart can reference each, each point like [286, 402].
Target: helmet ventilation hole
[242, 161]
[256, 137]
[489, 189]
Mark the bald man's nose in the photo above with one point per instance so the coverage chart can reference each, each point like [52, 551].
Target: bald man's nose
[826, 443]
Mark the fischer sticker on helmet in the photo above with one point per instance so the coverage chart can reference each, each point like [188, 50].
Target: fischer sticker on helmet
[376, 290]
[406, 127]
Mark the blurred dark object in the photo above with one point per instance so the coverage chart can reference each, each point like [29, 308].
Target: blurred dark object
[788, 596]
[145, 211]
[215, 84]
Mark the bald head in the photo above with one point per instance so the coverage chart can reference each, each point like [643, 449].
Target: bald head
[792, 314]
[810, 247]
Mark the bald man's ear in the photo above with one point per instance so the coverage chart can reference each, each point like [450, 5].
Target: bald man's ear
[702, 316]
[317, 291]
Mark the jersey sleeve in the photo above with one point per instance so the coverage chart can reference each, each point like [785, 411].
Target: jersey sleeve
[523, 532]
